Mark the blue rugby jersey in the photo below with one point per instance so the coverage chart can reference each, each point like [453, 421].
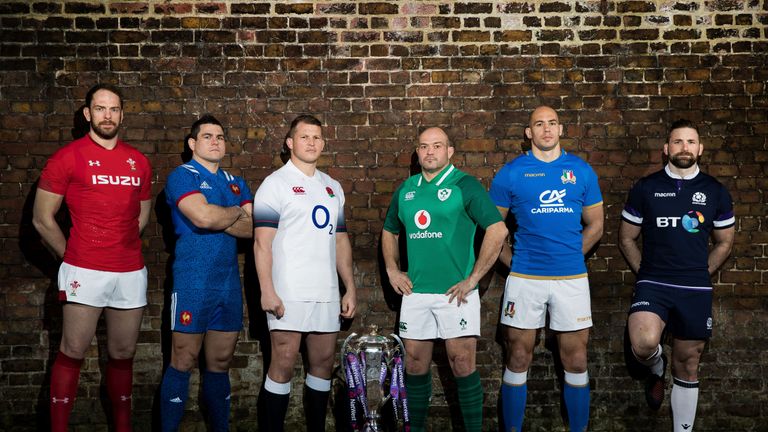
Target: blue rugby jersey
[547, 199]
[677, 216]
[205, 259]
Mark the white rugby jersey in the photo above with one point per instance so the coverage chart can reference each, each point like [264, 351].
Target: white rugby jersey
[307, 213]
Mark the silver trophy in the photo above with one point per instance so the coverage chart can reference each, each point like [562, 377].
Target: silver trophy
[374, 369]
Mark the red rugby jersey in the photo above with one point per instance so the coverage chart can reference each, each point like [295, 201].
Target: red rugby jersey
[102, 189]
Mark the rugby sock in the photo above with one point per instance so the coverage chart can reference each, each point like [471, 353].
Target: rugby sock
[419, 389]
[174, 392]
[217, 394]
[316, 392]
[685, 397]
[514, 391]
[471, 401]
[119, 388]
[576, 395]
[653, 361]
[273, 405]
[65, 375]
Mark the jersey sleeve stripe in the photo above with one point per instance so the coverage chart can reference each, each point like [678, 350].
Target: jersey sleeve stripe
[593, 205]
[244, 202]
[629, 217]
[186, 195]
[261, 223]
[727, 223]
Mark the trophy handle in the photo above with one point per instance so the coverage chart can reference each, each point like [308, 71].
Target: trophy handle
[344, 346]
[399, 343]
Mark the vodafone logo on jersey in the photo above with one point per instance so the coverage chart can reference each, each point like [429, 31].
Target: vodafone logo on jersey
[422, 219]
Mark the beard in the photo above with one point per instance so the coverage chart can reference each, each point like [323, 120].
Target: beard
[683, 160]
[98, 130]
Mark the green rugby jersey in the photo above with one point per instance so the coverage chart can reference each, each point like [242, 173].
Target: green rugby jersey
[440, 219]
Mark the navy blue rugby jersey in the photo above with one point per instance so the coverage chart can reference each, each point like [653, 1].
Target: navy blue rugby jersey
[677, 216]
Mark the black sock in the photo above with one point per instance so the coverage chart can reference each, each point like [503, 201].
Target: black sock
[315, 404]
[271, 410]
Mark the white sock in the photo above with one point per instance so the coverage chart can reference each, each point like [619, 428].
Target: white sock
[653, 361]
[685, 397]
[514, 378]
[576, 379]
[276, 387]
[318, 384]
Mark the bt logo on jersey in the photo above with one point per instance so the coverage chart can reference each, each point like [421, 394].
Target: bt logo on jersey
[689, 221]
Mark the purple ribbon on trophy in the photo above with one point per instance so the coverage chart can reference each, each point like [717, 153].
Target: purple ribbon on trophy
[374, 369]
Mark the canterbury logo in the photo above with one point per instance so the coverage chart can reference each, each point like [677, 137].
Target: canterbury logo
[116, 180]
[298, 190]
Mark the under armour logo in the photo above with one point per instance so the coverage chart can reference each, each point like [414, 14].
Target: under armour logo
[94, 163]
[54, 399]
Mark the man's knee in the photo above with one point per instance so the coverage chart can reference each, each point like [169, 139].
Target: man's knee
[463, 364]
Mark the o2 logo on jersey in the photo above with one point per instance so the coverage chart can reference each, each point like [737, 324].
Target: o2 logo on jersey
[692, 220]
[422, 219]
[321, 217]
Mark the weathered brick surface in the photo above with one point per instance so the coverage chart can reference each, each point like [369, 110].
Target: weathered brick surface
[376, 72]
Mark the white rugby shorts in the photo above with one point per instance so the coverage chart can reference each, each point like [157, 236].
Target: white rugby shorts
[527, 301]
[430, 316]
[305, 317]
[97, 288]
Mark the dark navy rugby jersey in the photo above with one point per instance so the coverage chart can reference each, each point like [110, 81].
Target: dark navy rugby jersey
[677, 216]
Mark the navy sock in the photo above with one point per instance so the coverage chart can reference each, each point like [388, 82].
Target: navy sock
[174, 392]
[216, 394]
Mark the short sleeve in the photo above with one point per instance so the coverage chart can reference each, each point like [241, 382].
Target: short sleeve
[725, 217]
[266, 204]
[146, 182]
[392, 220]
[246, 196]
[57, 172]
[477, 202]
[181, 183]
[633, 208]
[592, 195]
[501, 187]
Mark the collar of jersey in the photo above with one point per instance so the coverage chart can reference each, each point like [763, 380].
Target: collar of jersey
[203, 171]
[562, 153]
[293, 167]
[678, 177]
[445, 173]
[89, 138]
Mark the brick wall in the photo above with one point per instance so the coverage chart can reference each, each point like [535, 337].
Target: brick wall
[618, 72]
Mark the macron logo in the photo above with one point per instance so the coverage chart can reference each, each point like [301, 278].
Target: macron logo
[298, 190]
